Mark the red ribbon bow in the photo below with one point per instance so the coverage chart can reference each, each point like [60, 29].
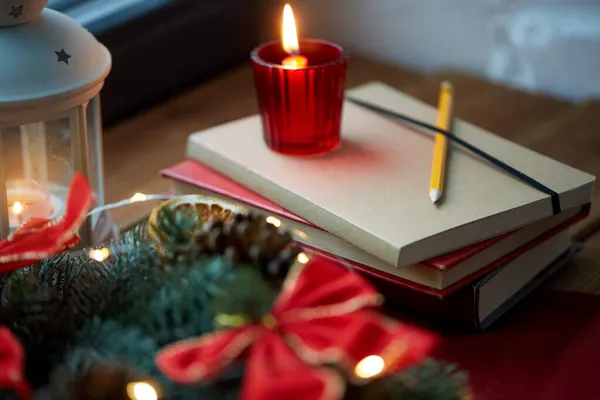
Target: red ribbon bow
[40, 238]
[12, 362]
[325, 314]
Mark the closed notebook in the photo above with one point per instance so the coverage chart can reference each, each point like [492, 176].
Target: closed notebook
[479, 304]
[192, 177]
[373, 190]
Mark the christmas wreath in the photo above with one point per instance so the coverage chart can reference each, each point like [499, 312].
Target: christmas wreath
[201, 301]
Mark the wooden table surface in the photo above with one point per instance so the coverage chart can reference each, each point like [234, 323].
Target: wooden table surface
[138, 148]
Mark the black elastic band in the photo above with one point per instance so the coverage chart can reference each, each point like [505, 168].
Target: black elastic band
[554, 198]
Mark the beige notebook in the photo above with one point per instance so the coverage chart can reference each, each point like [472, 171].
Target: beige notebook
[373, 190]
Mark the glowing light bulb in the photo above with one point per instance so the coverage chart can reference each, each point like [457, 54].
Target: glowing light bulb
[99, 254]
[17, 208]
[299, 233]
[302, 258]
[138, 197]
[273, 221]
[141, 391]
[369, 367]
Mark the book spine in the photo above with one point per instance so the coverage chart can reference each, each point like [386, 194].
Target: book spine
[532, 285]
[458, 312]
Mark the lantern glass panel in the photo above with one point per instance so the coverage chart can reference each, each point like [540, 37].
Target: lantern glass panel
[38, 161]
[37, 169]
[94, 134]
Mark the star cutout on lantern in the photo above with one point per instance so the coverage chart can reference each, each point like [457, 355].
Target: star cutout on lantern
[63, 56]
[16, 11]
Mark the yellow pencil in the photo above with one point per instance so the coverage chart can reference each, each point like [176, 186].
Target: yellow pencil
[440, 149]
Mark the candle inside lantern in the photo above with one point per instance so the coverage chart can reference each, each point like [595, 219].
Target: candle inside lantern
[25, 203]
[17, 210]
[290, 41]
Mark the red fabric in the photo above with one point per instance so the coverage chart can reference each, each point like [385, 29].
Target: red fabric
[546, 349]
[272, 361]
[312, 324]
[12, 361]
[40, 238]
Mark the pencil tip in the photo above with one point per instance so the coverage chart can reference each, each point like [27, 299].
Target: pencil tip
[435, 195]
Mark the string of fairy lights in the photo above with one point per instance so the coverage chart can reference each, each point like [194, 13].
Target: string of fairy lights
[104, 253]
[136, 198]
[367, 368]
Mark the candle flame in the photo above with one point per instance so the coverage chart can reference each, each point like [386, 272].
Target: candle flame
[17, 208]
[290, 34]
[369, 367]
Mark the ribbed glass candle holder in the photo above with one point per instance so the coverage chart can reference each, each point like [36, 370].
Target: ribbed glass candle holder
[301, 108]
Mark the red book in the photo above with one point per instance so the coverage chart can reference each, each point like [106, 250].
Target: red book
[440, 275]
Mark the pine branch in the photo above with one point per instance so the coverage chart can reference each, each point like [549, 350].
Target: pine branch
[6, 395]
[32, 306]
[90, 327]
[126, 351]
[110, 341]
[174, 307]
[431, 380]
[97, 381]
[244, 294]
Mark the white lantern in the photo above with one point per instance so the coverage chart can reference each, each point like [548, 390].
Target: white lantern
[51, 73]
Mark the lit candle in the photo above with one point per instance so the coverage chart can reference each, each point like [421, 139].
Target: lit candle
[300, 91]
[25, 203]
[16, 209]
[290, 41]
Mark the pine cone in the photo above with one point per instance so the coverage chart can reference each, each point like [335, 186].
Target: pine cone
[101, 381]
[249, 238]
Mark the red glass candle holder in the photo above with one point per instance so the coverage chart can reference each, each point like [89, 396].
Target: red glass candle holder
[301, 108]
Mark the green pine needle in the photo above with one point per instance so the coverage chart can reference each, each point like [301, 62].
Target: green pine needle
[431, 380]
[244, 293]
[6, 395]
[74, 315]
